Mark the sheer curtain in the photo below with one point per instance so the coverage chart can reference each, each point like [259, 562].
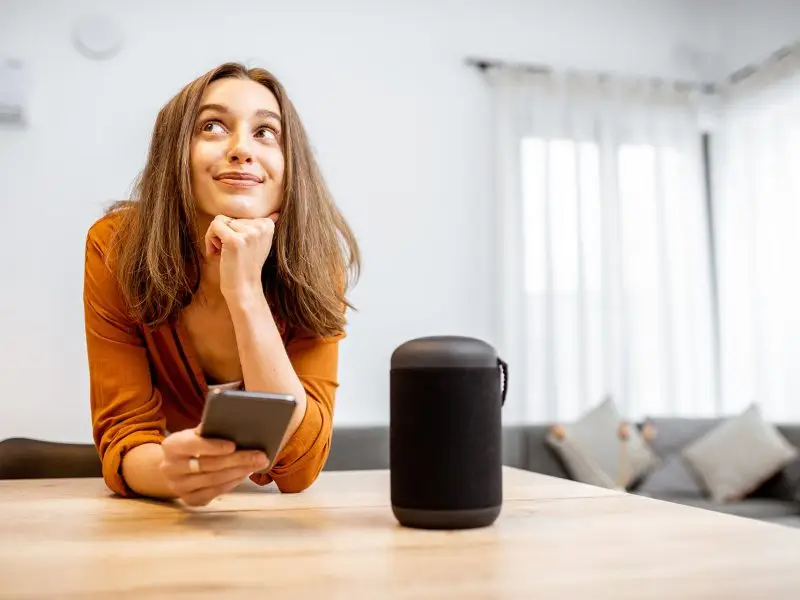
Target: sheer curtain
[603, 245]
[756, 163]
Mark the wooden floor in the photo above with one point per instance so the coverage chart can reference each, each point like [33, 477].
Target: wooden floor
[554, 539]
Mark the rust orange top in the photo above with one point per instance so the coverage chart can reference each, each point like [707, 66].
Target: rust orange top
[145, 382]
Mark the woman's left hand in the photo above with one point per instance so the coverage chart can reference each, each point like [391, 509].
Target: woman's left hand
[242, 246]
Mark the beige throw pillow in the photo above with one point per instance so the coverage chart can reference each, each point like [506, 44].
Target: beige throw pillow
[591, 450]
[738, 455]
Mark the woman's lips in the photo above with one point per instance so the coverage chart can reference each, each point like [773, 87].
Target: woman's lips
[239, 183]
[239, 179]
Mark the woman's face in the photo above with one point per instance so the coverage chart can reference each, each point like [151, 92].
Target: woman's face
[236, 153]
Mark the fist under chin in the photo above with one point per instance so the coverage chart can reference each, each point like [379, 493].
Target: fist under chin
[241, 206]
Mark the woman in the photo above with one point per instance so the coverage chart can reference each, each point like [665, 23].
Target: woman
[229, 268]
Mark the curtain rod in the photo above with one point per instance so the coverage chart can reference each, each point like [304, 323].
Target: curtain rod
[738, 76]
[749, 70]
[484, 64]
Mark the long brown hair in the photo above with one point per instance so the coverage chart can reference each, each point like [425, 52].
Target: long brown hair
[158, 255]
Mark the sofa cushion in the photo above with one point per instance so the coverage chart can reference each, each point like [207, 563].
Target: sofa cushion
[786, 521]
[541, 457]
[739, 455]
[580, 464]
[784, 485]
[367, 447]
[791, 433]
[673, 434]
[671, 478]
[356, 448]
[754, 508]
[591, 449]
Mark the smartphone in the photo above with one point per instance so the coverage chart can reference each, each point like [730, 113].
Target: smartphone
[252, 420]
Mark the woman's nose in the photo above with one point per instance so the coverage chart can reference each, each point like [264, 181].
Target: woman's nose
[239, 152]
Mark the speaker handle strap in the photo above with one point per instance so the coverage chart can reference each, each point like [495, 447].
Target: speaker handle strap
[504, 369]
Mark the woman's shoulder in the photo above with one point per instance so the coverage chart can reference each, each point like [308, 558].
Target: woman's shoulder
[102, 293]
[102, 231]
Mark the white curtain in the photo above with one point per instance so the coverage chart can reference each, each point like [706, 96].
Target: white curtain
[603, 247]
[757, 216]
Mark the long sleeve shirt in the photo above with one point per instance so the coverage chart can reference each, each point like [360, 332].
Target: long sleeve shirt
[144, 383]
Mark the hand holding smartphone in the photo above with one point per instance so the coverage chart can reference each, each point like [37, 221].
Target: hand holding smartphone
[252, 420]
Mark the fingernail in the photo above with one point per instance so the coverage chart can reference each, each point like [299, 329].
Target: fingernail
[260, 460]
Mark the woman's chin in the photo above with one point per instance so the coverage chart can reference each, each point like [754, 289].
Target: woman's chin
[242, 207]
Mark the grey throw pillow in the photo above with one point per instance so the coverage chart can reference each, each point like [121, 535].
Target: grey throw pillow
[738, 455]
[671, 479]
[580, 464]
[673, 434]
[591, 450]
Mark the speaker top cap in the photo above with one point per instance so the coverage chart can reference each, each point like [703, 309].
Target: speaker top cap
[444, 351]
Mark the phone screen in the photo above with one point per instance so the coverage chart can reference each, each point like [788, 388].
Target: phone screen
[252, 420]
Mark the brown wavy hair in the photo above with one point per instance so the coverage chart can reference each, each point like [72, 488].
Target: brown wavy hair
[157, 249]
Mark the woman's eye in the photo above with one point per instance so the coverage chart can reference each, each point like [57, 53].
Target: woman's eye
[266, 133]
[213, 127]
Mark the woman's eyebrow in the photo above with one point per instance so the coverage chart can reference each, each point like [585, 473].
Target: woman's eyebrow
[261, 113]
[268, 114]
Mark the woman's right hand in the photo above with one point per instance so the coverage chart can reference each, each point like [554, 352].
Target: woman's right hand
[219, 467]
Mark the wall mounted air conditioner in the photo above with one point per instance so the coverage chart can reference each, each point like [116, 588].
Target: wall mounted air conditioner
[13, 92]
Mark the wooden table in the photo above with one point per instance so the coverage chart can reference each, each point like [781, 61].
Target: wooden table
[554, 539]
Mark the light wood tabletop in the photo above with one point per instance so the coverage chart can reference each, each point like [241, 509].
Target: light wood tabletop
[554, 539]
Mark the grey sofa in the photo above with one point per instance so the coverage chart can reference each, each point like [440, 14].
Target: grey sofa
[524, 447]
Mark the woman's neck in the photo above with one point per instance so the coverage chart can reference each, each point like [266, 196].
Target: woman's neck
[209, 290]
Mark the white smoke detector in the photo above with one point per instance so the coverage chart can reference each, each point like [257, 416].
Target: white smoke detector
[97, 37]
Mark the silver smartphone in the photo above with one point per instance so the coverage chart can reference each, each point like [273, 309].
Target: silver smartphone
[252, 420]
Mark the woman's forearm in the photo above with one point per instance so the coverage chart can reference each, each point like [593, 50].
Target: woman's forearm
[265, 365]
[142, 473]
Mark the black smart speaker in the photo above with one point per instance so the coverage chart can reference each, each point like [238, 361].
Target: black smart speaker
[445, 448]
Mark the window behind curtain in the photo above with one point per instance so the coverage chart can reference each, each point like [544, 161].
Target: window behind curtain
[568, 279]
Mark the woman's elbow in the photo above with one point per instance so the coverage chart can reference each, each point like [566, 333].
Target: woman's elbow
[304, 477]
[297, 482]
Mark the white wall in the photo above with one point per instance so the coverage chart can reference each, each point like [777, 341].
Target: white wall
[396, 117]
[751, 30]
